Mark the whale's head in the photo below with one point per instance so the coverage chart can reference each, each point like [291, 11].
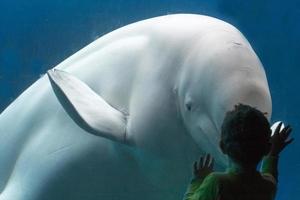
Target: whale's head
[212, 83]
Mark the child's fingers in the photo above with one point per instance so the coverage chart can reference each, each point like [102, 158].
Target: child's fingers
[212, 162]
[288, 142]
[277, 130]
[207, 160]
[285, 134]
[284, 129]
[201, 162]
[195, 167]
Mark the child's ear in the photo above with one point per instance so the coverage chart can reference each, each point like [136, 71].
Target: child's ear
[222, 147]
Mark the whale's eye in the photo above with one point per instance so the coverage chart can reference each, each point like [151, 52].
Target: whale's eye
[188, 106]
[188, 103]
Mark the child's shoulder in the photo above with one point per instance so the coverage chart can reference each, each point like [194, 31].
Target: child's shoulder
[236, 179]
[225, 177]
[219, 177]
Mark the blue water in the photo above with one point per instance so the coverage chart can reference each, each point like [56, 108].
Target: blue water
[37, 35]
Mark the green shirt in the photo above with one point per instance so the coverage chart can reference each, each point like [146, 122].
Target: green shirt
[232, 185]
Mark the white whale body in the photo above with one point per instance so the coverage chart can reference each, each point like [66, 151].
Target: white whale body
[152, 94]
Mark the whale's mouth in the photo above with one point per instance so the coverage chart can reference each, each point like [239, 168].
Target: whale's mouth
[207, 136]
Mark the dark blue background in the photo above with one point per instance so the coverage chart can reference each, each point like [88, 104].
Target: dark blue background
[37, 35]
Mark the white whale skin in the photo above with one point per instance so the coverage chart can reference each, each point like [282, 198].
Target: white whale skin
[166, 83]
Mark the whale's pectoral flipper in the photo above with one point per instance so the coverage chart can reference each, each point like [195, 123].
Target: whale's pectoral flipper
[91, 112]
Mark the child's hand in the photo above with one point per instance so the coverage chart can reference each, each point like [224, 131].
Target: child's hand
[280, 140]
[205, 166]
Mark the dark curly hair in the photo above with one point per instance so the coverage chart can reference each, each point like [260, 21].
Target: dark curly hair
[245, 134]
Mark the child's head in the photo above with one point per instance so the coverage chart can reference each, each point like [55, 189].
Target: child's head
[245, 135]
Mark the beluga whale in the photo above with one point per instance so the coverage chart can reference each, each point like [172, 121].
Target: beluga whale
[126, 116]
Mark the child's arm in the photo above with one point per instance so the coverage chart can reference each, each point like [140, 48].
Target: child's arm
[279, 141]
[201, 171]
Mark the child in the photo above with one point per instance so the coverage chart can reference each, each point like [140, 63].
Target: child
[245, 139]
